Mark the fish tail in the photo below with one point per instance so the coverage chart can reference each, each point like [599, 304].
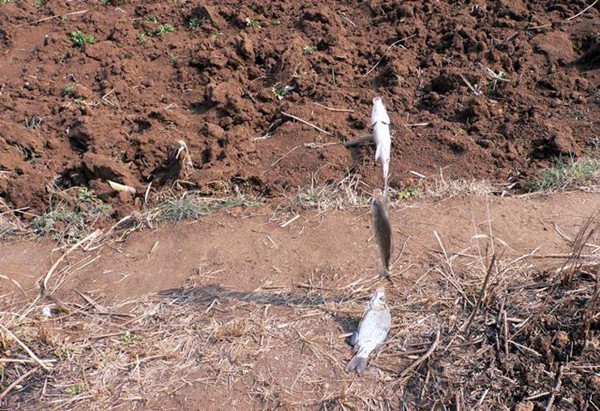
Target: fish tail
[385, 188]
[385, 273]
[358, 364]
[386, 174]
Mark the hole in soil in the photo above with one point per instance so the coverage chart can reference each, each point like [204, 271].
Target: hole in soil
[444, 83]
[591, 58]
[79, 138]
[142, 125]
[206, 155]
[72, 177]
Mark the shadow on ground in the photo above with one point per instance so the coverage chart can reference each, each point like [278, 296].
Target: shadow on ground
[209, 293]
[206, 295]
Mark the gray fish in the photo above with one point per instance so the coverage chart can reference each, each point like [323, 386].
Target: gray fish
[372, 331]
[382, 229]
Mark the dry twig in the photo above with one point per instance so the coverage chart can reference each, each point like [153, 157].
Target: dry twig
[307, 123]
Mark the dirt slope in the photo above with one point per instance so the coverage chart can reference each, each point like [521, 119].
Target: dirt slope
[117, 108]
[340, 242]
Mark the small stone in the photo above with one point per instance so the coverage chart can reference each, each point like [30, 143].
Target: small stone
[524, 406]
[562, 339]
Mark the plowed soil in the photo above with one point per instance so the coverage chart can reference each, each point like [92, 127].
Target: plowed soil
[484, 89]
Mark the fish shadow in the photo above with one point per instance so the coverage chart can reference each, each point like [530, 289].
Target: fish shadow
[206, 295]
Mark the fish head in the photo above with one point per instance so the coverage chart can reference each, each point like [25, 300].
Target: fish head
[378, 299]
[379, 113]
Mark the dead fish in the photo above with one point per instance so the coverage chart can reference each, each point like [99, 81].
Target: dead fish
[380, 121]
[382, 229]
[372, 331]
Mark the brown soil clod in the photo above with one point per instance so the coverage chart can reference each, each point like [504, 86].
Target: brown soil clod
[105, 115]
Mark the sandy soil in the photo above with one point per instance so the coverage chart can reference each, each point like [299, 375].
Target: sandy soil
[274, 304]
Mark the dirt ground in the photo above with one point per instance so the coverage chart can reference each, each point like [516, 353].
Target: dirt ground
[494, 299]
[235, 312]
[485, 90]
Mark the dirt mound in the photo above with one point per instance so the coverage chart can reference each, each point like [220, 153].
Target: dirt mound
[502, 88]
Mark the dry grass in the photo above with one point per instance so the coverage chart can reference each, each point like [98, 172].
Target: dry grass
[444, 188]
[352, 193]
[347, 193]
[527, 329]
[10, 224]
[76, 212]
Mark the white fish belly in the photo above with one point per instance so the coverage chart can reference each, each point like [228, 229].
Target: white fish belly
[383, 141]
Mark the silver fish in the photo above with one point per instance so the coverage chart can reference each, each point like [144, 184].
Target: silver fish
[382, 229]
[372, 331]
[380, 121]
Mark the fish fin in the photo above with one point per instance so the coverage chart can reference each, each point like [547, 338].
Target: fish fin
[378, 152]
[358, 364]
[354, 339]
[385, 166]
[385, 274]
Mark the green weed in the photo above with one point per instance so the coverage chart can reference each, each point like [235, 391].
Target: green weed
[195, 23]
[70, 221]
[252, 22]
[128, 338]
[80, 39]
[162, 30]
[407, 192]
[68, 89]
[191, 208]
[308, 50]
[74, 390]
[564, 175]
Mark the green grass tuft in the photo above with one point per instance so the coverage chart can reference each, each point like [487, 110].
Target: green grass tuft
[252, 22]
[308, 49]
[570, 174]
[162, 30]
[80, 39]
[71, 221]
[191, 208]
[195, 22]
[407, 192]
[68, 89]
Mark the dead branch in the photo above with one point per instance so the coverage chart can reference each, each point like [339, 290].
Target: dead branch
[556, 388]
[425, 356]
[481, 294]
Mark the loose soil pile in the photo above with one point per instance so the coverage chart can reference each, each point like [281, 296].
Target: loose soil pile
[501, 88]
